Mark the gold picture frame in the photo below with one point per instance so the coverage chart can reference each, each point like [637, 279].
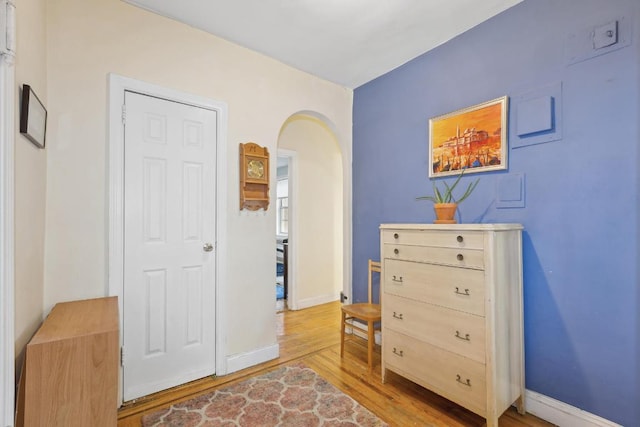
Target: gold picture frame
[472, 138]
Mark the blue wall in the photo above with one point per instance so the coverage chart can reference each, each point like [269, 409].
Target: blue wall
[581, 208]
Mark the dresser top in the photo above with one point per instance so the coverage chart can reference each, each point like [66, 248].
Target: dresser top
[453, 227]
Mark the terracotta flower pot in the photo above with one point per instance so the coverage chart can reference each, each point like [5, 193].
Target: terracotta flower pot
[445, 213]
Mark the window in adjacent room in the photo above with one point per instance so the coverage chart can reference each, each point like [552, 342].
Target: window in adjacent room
[283, 215]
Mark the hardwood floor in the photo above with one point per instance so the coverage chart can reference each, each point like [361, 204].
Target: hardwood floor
[312, 336]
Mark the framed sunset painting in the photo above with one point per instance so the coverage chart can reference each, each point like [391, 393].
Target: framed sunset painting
[473, 138]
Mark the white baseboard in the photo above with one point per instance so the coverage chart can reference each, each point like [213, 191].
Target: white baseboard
[240, 361]
[378, 336]
[562, 414]
[322, 299]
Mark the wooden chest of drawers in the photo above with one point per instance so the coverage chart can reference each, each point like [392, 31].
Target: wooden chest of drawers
[452, 312]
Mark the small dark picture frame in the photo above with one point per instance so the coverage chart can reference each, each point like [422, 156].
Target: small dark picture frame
[33, 117]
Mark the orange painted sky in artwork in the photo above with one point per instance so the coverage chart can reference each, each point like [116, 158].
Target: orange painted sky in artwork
[487, 118]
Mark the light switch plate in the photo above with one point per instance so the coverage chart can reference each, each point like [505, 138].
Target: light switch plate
[605, 35]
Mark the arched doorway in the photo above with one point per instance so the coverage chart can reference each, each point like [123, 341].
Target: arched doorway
[315, 210]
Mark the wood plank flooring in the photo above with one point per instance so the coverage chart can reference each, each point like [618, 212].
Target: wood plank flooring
[312, 336]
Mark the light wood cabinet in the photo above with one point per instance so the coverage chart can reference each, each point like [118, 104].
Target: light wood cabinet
[452, 312]
[71, 366]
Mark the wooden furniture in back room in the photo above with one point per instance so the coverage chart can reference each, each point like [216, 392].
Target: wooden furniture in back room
[452, 312]
[71, 366]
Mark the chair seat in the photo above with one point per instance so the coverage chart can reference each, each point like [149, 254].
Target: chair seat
[363, 311]
[367, 312]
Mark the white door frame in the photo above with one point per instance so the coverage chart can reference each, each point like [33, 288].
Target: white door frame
[117, 87]
[7, 267]
[292, 262]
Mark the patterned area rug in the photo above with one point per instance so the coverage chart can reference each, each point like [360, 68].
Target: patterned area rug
[293, 395]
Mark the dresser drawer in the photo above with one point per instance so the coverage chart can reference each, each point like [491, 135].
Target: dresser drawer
[458, 288]
[452, 330]
[467, 258]
[441, 239]
[455, 377]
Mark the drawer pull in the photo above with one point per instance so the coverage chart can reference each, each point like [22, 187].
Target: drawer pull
[398, 352]
[460, 257]
[396, 235]
[397, 279]
[466, 292]
[459, 379]
[397, 316]
[460, 239]
[464, 338]
[396, 251]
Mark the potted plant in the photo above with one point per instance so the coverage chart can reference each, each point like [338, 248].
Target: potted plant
[444, 203]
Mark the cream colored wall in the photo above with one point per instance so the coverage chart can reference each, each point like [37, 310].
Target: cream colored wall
[30, 175]
[318, 203]
[89, 39]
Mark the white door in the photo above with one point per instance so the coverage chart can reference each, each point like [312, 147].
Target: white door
[169, 238]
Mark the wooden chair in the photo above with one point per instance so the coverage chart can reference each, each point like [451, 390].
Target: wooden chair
[366, 312]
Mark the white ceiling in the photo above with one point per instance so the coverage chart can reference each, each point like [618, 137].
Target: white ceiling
[348, 42]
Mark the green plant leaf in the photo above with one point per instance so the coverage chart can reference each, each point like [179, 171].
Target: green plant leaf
[438, 195]
[470, 188]
[446, 195]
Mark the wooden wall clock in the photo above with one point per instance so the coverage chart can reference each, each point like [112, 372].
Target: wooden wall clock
[254, 177]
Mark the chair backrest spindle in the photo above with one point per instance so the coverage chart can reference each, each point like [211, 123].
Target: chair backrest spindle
[374, 266]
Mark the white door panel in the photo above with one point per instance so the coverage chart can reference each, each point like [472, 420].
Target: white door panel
[169, 215]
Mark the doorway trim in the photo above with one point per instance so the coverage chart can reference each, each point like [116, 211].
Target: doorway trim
[7, 251]
[292, 265]
[115, 135]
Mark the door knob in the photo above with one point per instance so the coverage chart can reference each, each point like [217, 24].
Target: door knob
[208, 247]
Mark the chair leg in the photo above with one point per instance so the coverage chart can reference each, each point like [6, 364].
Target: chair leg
[344, 319]
[371, 343]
